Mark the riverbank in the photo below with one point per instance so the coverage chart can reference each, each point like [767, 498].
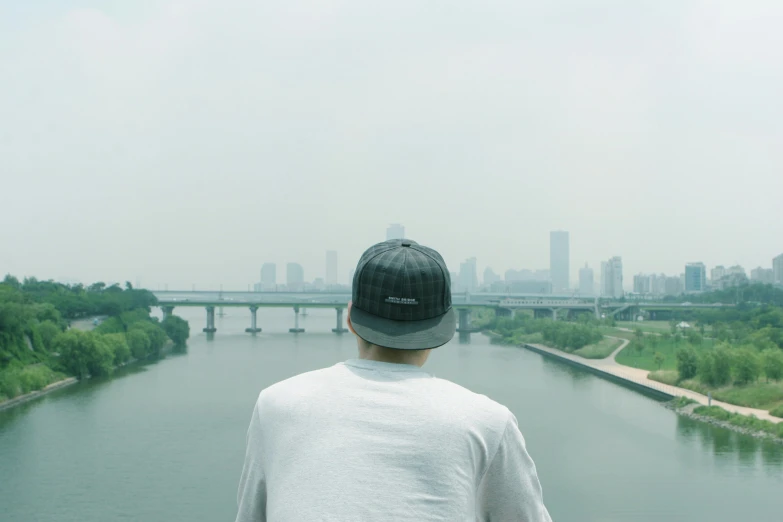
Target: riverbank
[636, 378]
[688, 411]
[16, 401]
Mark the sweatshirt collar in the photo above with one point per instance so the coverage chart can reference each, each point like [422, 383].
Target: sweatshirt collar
[368, 364]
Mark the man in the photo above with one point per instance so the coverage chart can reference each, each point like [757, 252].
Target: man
[378, 438]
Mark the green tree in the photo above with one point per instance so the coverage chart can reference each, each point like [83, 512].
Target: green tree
[119, 346]
[48, 332]
[156, 335]
[772, 362]
[747, 366]
[659, 359]
[723, 362]
[687, 363]
[139, 344]
[638, 346]
[706, 368]
[177, 329]
[638, 334]
[84, 353]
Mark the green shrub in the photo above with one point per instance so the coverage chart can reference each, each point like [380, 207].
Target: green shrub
[777, 412]
[670, 377]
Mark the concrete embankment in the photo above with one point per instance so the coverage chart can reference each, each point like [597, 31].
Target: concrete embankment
[637, 379]
[16, 401]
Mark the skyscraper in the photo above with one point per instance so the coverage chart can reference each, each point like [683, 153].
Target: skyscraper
[490, 277]
[395, 231]
[612, 277]
[695, 277]
[331, 267]
[468, 279]
[586, 284]
[777, 269]
[268, 277]
[762, 275]
[294, 277]
[641, 284]
[559, 260]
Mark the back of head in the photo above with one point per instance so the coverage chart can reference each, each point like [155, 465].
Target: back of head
[401, 299]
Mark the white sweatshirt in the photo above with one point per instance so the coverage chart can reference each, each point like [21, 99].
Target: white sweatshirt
[366, 440]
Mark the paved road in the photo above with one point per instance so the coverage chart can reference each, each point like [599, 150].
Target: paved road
[635, 375]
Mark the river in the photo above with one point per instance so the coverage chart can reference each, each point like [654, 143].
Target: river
[165, 441]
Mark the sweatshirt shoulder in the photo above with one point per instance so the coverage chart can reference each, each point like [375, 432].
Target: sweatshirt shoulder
[476, 404]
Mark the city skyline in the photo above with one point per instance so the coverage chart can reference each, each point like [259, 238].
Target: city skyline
[112, 181]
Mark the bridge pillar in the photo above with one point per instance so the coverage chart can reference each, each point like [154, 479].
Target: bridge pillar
[210, 320]
[167, 311]
[296, 328]
[338, 329]
[554, 314]
[253, 322]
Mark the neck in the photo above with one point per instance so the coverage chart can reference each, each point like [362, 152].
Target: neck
[390, 355]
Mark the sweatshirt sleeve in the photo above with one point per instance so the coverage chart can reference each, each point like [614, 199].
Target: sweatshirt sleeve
[251, 496]
[510, 489]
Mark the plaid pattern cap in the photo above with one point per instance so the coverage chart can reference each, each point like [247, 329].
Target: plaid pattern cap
[402, 296]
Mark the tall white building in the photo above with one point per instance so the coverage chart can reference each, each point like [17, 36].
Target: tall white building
[777, 269]
[586, 281]
[395, 231]
[294, 277]
[612, 277]
[559, 265]
[331, 267]
[641, 284]
[468, 279]
[268, 277]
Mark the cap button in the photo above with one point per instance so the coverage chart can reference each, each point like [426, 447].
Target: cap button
[405, 243]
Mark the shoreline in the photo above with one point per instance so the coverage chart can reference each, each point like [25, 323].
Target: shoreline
[687, 411]
[636, 378]
[27, 397]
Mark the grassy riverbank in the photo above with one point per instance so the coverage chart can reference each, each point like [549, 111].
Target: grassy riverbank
[38, 347]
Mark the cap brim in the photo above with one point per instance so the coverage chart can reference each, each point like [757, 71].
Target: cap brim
[404, 335]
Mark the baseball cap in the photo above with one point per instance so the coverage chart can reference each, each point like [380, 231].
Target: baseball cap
[402, 297]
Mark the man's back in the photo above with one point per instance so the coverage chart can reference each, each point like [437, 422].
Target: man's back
[368, 440]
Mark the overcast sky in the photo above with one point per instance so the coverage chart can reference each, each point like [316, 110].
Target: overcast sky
[188, 142]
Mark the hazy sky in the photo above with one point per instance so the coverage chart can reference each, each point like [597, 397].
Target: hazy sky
[189, 142]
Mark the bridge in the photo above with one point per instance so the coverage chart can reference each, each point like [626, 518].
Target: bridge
[504, 305]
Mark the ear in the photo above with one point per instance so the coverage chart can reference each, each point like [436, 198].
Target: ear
[348, 318]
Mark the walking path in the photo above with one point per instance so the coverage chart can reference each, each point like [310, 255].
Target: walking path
[610, 366]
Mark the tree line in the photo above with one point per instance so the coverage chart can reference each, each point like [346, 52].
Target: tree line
[38, 347]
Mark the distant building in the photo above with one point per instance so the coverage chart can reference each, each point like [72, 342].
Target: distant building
[331, 267]
[319, 284]
[695, 278]
[586, 282]
[490, 277]
[559, 265]
[673, 285]
[658, 284]
[762, 275]
[612, 278]
[294, 277]
[717, 273]
[641, 284]
[268, 277]
[527, 275]
[529, 287]
[777, 269]
[727, 277]
[468, 279]
[395, 231]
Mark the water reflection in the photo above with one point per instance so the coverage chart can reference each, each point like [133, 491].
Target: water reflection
[727, 443]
